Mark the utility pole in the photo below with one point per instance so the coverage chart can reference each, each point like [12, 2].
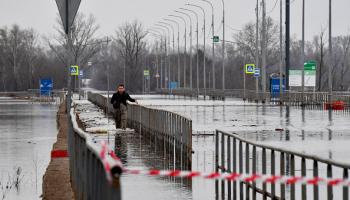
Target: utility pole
[287, 47]
[223, 46]
[256, 49]
[263, 66]
[281, 53]
[330, 81]
[303, 54]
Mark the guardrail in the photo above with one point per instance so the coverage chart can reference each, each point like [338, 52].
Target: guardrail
[88, 174]
[171, 131]
[234, 154]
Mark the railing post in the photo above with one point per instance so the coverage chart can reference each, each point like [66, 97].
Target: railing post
[254, 171]
[216, 163]
[247, 169]
[315, 173]
[282, 172]
[329, 188]
[229, 166]
[234, 170]
[273, 172]
[303, 174]
[223, 165]
[345, 188]
[240, 169]
[292, 173]
[264, 172]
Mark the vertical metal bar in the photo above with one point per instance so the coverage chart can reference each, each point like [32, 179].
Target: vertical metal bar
[229, 166]
[223, 169]
[273, 172]
[303, 174]
[264, 172]
[234, 170]
[315, 173]
[282, 172]
[254, 171]
[217, 163]
[329, 187]
[345, 188]
[247, 169]
[292, 173]
[240, 169]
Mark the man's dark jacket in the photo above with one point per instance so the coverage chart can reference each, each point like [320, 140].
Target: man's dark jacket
[118, 98]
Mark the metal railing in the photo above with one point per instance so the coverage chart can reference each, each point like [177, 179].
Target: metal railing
[88, 174]
[234, 154]
[172, 131]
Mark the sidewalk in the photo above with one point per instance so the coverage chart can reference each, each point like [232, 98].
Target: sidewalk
[56, 181]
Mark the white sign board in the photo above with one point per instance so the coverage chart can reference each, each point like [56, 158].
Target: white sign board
[310, 78]
[295, 77]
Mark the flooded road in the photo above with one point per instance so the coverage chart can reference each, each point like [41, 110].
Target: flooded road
[27, 132]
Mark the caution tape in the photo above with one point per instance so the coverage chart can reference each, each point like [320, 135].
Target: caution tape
[240, 177]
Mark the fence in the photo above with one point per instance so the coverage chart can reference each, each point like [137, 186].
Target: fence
[171, 131]
[234, 154]
[87, 169]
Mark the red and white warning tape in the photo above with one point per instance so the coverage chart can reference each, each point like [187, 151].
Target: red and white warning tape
[250, 178]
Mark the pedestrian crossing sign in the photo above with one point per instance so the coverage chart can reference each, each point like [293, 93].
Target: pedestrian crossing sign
[249, 68]
[74, 70]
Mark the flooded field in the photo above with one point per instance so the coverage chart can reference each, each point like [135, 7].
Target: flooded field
[27, 132]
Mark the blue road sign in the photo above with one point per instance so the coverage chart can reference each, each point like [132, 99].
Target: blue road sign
[46, 86]
[173, 85]
[275, 87]
[257, 72]
[81, 73]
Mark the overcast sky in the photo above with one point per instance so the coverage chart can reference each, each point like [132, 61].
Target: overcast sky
[41, 14]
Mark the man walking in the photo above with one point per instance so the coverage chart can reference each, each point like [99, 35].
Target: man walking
[120, 105]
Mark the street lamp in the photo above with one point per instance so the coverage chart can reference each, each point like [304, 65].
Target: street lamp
[167, 79]
[204, 65]
[172, 28]
[189, 10]
[178, 48]
[161, 59]
[223, 46]
[189, 17]
[213, 50]
[183, 19]
[157, 59]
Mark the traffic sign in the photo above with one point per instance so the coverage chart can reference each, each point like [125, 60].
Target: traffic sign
[249, 68]
[216, 39]
[81, 73]
[310, 65]
[74, 70]
[46, 86]
[146, 72]
[257, 72]
[68, 10]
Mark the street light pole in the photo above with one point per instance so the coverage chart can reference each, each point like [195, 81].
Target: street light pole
[161, 57]
[197, 66]
[167, 71]
[213, 43]
[183, 19]
[189, 17]
[303, 53]
[223, 46]
[257, 50]
[163, 70]
[204, 58]
[330, 81]
[178, 49]
[172, 28]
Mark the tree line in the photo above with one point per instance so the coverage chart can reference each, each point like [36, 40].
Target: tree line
[26, 57]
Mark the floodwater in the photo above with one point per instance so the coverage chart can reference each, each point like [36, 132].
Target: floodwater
[27, 132]
[308, 131]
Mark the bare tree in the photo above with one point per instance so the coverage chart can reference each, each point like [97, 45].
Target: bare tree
[130, 44]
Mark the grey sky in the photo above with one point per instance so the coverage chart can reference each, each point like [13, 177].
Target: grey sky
[41, 14]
